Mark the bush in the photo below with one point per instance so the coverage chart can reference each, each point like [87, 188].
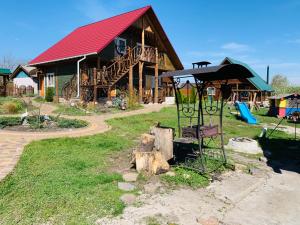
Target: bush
[13, 107]
[49, 94]
[9, 121]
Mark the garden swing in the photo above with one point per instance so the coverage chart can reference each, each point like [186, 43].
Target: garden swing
[201, 94]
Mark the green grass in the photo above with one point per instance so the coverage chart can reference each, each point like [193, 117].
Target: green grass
[65, 180]
[186, 177]
[70, 110]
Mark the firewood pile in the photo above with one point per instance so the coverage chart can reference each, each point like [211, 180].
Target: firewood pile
[154, 151]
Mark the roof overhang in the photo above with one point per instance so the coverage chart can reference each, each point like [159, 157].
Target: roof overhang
[213, 73]
[62, 59]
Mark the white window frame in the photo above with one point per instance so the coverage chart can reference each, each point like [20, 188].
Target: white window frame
[211, 91]
[50, 83]
[117, 40]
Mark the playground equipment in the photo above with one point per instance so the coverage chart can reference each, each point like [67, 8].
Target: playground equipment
[292, 112]
[200, 137]
[245, 113]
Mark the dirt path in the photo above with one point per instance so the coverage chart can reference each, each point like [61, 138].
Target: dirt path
[266, 198]
[13, 142]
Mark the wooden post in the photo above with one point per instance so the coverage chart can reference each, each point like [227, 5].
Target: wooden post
[156, 77]
[56, 89]
[143, 37]
[130, 81]
[5, 84]
[95, 84]
[141, 64]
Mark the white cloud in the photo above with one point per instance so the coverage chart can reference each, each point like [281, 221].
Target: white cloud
[233, 46]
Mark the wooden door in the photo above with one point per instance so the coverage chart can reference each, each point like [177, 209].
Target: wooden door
[42, 86]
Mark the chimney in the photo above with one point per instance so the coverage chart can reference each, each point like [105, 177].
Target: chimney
[268, 70]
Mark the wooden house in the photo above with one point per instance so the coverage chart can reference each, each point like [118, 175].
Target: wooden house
[24, 80]
[254, 89]
[4, 78]
[124, 52]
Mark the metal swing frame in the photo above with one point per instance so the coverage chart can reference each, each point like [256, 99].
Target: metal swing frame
[196, 131]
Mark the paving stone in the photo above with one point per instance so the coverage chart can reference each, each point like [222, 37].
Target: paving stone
[130, 177]
[151, 188]
[170, 173]
[124, 186]
[128, 199]
[208, 221]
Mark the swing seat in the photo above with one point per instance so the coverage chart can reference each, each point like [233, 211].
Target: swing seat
[208, 131]
[203, 131]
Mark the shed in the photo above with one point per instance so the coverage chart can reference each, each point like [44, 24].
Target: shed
[25, 78]
[4, 77]
[284, 105]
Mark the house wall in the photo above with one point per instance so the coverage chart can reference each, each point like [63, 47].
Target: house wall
[22, 79]
[63, 71]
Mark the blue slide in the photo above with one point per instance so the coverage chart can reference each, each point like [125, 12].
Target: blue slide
[245, 113]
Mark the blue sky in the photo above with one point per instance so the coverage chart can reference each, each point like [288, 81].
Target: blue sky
[257, 32]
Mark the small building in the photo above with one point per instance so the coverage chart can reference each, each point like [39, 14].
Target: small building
[126, 52]
[254, 89]
[4, 77]
[25, 80]
[284, 105]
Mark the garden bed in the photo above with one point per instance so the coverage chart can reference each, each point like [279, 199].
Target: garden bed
[40, 123]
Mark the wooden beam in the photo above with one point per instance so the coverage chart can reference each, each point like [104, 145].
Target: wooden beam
[143, 37]
[156, 77]
[98, 62]
[95, 84]
[141, 64]
[130, 81]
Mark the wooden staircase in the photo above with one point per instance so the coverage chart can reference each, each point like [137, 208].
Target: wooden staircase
[109, 76]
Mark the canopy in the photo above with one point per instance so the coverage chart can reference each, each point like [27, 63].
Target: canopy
[212, 73]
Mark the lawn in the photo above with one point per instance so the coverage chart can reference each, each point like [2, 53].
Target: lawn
[65, 180]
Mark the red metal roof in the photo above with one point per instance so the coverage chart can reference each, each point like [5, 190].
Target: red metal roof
[91, 38]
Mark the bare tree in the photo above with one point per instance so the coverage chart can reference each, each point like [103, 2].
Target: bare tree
[10, 62]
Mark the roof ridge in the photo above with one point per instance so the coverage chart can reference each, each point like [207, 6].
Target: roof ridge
[145, 7]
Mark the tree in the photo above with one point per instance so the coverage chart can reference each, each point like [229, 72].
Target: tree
[280, 84]
[10, 62]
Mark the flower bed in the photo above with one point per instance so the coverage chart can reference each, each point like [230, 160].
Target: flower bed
[40, 123]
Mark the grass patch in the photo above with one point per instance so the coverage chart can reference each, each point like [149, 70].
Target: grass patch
[65, 180]
[70, 110]
[186, 177]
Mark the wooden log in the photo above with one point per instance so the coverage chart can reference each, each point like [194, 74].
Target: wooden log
[163, 141]
[150, 162]
[147, 143]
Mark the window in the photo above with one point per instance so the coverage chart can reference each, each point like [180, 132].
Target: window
[50, 80]
[211, 91]
[121, 45]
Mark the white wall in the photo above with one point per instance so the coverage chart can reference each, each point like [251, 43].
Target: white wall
[26, 81]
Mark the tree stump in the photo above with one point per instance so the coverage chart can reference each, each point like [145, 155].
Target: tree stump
[154, 151]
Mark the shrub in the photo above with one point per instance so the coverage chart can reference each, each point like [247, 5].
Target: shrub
[39, 99]
[71, 123]
[12, 107]
[49, 94]
[9, 121]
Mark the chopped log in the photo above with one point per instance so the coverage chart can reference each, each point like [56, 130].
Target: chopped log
[147, 143]
[163, 141]
[151, 162]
